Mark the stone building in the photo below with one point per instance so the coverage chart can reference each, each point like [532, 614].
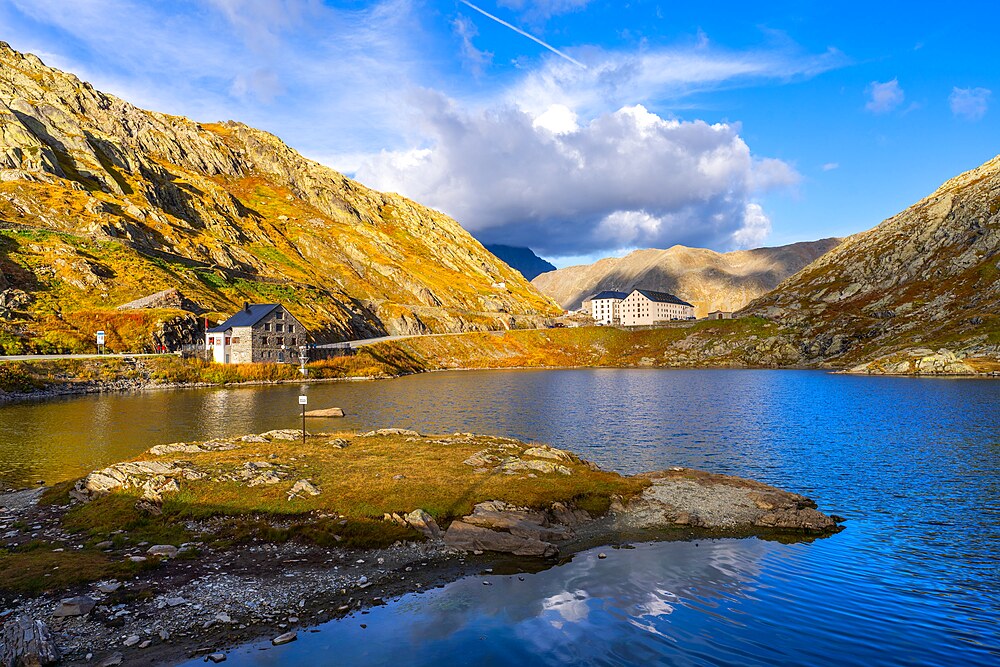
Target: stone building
[644, 307]
[258, 332]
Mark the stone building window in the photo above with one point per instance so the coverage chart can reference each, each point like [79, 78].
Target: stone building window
[280, 315]
[267, 326]
[263, 341]
[279, 327]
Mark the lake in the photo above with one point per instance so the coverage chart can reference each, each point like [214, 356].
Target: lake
[912, 463]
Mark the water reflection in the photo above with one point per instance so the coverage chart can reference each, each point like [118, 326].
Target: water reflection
[914, 465]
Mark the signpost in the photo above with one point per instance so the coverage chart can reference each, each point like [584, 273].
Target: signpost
[100, 342]
[303, 401]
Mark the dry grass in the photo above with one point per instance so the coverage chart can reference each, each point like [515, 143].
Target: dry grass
[359, 484]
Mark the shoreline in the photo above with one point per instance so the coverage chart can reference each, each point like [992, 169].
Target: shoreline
[116, 386]
[212, 593]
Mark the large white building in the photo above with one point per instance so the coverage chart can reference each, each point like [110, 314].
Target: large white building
[638, 308]
[644, 307]
[604, 306]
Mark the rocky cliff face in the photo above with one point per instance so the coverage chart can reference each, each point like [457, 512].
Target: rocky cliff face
[709, 280]
[102, 203]
[918, 293]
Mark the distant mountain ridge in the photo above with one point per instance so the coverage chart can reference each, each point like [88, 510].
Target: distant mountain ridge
[920, 292]
[709, 280]
[102, 203]
[523, 259]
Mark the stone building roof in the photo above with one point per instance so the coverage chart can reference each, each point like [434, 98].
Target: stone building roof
[249, 315]
[609, 294]
[662, 297]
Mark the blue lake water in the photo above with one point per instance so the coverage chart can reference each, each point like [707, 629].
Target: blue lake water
[914, 464]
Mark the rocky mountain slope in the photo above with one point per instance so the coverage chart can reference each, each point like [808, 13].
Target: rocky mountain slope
[707, 279]
[523, 259]
[918, 293]
[102, 203]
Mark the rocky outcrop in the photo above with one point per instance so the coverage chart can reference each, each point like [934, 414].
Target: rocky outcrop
[25, 642]
[179, 205]
[692, 498]
[927, 278]
[707, 279]
[466, 536]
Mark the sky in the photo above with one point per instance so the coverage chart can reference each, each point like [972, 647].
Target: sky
[578, 128]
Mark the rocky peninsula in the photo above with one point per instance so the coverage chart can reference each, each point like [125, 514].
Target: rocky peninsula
[193, 548]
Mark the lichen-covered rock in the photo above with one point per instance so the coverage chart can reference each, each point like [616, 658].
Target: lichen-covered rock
[303, 488]
[423, 522]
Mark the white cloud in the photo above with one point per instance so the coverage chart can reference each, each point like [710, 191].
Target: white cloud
[884, 97]
[627, 178]
[557, 119]
[830, 166]
[969, 103]
[614, 79]
[475, 59]
[537, 11]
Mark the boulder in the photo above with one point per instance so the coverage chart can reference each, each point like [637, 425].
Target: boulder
[546, 452]
[194, 448]
[286, 638]
[162, 550]
[302, 488]
[423, 522]
[513, 465]
[78, 606]
[466, 536]
[283, 434]
[326, 412]
[24, 641]
[496, 515]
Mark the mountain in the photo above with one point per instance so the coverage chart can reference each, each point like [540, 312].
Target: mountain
[919, 292]
[102, 203]
[523, 259]
[707, 279]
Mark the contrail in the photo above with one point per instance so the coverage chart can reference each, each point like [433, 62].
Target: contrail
[521, 32]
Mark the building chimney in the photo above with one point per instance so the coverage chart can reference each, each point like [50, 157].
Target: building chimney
[246, 306]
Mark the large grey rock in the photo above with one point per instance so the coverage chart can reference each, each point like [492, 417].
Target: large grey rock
[302, 488]
[527, 524]
[284, 434]
[423, 522]
[25, 642]
[466, 536]
[78, 606]
[285, 638]
[162, 550]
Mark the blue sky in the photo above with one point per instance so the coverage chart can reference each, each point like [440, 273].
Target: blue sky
[625, 125]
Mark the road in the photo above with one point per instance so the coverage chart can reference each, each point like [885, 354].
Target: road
[40, 357]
